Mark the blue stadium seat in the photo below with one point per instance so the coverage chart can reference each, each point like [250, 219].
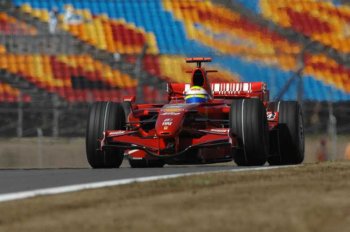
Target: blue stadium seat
[171, 38]
[254, 5]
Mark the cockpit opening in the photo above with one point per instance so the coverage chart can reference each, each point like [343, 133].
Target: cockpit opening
[198, 79]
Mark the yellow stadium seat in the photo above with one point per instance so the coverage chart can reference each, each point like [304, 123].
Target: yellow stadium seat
[109, 38]
[46, 65]
[86, 33]
[22, 64]
[12, 67]
[119, 47]
[44, 16]
[36, 13]
[87, 14]
[26, 8]
[2, 49]
[3, 61]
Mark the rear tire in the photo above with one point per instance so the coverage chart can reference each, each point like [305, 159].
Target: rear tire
[290, 133]
[248, 122]
[104, 116]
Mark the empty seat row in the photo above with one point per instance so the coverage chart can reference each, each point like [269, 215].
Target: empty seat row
[11, 26]
[226, 31]
[153, 15]
[245, 50]
[102, 32]
[256, 6]
[109, 95]
[64, 74]
[9, 94]
[167, 34]
[321, 21]
[58, 70]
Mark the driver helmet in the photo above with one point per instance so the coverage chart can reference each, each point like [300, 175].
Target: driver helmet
[196, 94]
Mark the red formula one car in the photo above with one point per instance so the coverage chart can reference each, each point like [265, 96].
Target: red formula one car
[235, 121]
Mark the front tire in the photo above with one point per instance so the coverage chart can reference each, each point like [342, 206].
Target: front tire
[104, 116]
[248, 122]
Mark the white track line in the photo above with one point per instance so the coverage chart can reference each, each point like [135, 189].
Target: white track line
[94, 185]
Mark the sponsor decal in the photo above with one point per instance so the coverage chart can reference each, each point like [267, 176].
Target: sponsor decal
[174, 106]
[219, 130]
[172, 110]
[117, 133]
[231, 88]
[170, 113]
[271, 115]
[167, 122]
[165, 127]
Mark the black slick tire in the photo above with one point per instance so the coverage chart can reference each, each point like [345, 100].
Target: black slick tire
[248, 122]
[104, 116]
[290, 133]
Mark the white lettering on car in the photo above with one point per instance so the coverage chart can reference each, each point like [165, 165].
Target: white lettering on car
[117, 133]
[219, 130]
[271, 115]
[167, 122]
[170, 113]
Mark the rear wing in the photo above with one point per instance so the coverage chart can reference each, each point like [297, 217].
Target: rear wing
[226, 90]
[198, 60]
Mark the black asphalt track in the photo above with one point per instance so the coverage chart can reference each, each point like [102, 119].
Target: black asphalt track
[18, 180]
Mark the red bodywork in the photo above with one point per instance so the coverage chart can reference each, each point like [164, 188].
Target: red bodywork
[186, 133]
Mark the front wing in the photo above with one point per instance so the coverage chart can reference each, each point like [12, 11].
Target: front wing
[164, 147]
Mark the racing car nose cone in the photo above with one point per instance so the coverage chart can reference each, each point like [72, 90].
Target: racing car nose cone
[169, 124]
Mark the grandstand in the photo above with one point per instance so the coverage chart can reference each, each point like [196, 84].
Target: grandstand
[106, 49]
